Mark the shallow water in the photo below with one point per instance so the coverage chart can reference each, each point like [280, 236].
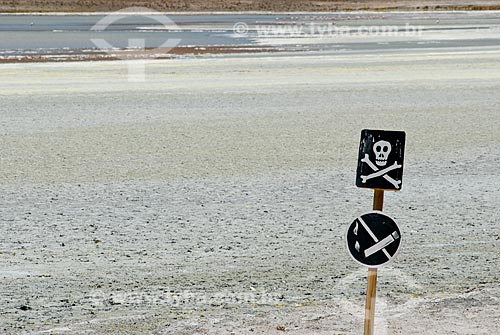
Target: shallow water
[67, 34]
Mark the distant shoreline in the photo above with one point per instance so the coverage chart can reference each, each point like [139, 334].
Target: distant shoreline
[231, 6]
[257, 12]
[91, 13]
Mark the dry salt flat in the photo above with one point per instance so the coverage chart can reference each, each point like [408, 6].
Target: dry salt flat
[214, 197]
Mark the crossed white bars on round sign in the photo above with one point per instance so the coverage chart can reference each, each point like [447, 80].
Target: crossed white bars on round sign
[378, 172]
[379, 245]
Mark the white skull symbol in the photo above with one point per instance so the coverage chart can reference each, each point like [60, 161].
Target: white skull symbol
[382, 149]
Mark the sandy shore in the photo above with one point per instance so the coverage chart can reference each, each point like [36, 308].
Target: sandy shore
[213, 198]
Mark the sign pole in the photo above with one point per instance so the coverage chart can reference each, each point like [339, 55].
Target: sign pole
[371, 290]
[378, 200]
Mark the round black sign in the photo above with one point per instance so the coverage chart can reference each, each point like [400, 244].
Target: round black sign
[373, 239]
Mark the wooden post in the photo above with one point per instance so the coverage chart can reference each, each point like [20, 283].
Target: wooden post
[378, 200]
[371, 294]
[371, 290]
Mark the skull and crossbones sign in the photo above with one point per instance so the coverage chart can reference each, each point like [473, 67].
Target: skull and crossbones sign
[382, 149]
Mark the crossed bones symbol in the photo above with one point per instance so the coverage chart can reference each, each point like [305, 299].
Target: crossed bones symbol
[383, 172]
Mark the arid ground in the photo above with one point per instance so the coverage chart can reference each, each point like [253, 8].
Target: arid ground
[144, 208]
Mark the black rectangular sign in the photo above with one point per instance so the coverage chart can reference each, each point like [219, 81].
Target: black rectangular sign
[380, 160]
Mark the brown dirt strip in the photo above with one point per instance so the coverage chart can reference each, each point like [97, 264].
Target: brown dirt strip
[135, 55]
[242, 5]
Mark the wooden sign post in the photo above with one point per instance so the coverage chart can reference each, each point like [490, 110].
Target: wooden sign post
[373, 239]
[371, 290]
